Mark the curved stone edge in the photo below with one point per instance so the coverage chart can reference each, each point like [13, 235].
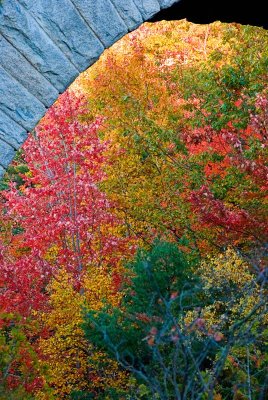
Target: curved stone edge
[167, 3]
[48, 57]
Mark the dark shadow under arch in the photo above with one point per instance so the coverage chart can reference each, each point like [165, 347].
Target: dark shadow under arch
[207, 11]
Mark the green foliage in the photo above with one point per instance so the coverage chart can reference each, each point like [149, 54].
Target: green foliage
[164, 270]
[82, 396]
[148, 307]
[178, 333]
[14, 172]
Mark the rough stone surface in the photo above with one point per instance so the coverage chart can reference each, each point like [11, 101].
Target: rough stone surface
[167, 3]
[129, 12]
[20, 29]
[24, 72]
[63, 23]
[7, 154]
[147, 8]
[44, 44]
[18, 103]
[103, 18]
[11, 132]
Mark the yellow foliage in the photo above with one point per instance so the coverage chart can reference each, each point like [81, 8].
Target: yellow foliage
[229, 275]
[226, 268]
[52, 253]
[98, 286]
[70, 361]
[143, 113]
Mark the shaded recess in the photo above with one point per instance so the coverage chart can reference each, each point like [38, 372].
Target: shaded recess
[207, 11]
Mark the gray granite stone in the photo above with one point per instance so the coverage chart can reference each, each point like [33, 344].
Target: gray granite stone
[7, 154]
[129, 13]
[18, 103]
[11, 132]
[167, 3]
[103, 18]
[17, 66]
[2, 170]
[147, 8]
[62, 22]
[20, 29]
[44, 44]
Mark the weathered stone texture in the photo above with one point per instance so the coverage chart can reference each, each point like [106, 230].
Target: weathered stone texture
[167, 3]
[20, 29]
[18, 103]
[7, 154]
[44, 44]
[129, 12]
[11, 132]
[24, 72]
[148, 8]
[103, 18]
[68, 30]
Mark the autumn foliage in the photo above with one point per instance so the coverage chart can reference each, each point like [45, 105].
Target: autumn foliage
[133, 235]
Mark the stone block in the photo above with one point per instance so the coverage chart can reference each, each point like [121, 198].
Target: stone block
[11, 131]
[18, 103]
[103, 18]
[129, 13]
[2, 171]
[24, 72]
[167, 3]
[7, 154]
[147, 8]
[24, 33]
[68, 30]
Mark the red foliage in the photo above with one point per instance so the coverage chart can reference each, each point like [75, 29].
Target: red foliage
[239, 152]
[66, 221]
[236, 222]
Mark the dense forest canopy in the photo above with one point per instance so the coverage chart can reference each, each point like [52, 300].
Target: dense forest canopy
[133, 234]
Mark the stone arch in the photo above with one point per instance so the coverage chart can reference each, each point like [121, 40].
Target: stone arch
[46, 44]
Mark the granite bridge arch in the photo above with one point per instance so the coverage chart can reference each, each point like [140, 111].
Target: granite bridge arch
[46, 44]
